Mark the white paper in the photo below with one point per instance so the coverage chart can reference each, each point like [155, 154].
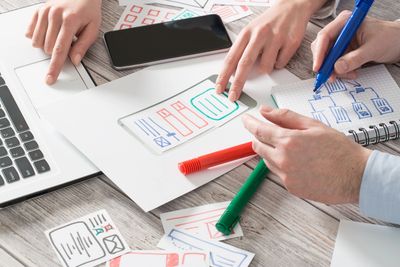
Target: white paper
[186, 14]
[221, 254]
[366, 245]
[190, 4]
[373, 98]
[231, 13]
[183, 117]
[265, 3]
[161, 258]
[90, 121]
[140, 14]
[87, 241]
[199, 221]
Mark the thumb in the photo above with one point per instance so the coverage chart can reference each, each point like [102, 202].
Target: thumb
[85, 39]
[287, 118]
[353, 60]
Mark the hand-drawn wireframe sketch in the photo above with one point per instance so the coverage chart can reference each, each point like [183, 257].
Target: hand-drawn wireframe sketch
[182, 117]
[87, 241]
[380, 104]
[221, 254]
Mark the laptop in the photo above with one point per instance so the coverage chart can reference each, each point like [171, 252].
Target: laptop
[34, 158]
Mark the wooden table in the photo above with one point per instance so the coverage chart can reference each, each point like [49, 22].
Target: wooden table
[282, 230]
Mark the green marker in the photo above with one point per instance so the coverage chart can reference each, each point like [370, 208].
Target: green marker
[232, 213]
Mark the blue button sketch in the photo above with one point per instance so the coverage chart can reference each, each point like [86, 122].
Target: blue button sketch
[161, 141]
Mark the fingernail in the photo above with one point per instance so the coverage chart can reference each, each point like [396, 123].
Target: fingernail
[232, 96]
[218, 88]
[341, 66]
[50, 79]
[76, 59]
[266, 109]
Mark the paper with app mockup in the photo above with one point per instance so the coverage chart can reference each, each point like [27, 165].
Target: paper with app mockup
[87, 241]
[161, 258]
[221, 254]
[199, 221]
[140, 14]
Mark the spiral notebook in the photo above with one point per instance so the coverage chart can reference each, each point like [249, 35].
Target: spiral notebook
[366, 109]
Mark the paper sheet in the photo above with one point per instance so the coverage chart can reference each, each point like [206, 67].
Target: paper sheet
[189, 4]
[183, 117]
[199, 221]
[231, 13]
[161, 258]
[265, 3]
[87, 241]
[366, 245]
[139, 14]
[90, 121]
[221, 254]
[372, 98]
[186, 14]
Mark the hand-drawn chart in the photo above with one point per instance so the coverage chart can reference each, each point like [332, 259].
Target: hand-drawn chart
[363, 100]
[87, 241]
[182, 117]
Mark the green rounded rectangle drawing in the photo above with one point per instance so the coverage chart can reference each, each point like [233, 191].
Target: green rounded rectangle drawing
[215, 107]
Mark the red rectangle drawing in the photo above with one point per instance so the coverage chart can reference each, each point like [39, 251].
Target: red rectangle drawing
[175, 122]
[189, 115]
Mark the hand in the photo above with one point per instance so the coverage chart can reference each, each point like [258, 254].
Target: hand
[376, 41]
[274, 36]
[314, 161]
[55, 25]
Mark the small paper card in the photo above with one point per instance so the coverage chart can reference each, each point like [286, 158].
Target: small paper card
[221, 254]
[87, 241]
[161, 258]
[231, 13]
[199, 221]
[186, 14]
[139, 14]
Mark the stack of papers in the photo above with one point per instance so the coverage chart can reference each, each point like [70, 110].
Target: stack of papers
[145, 12]
[190, 240]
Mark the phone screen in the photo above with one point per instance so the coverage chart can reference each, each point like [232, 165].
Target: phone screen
[159, 42]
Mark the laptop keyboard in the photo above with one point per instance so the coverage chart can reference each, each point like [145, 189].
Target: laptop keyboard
[20, 155]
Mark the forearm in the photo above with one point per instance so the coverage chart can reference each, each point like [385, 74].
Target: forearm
[380, 187]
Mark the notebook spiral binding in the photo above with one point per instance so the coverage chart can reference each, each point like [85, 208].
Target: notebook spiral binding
[376, 133]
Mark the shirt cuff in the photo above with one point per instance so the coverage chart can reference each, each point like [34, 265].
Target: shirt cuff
[380, 187]
[329, 9]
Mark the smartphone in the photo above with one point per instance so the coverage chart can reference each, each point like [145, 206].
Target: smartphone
[168, 41]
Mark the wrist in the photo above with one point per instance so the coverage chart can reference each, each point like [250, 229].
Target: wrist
[308, 7]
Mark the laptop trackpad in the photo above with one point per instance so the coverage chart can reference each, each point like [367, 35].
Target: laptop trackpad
[32, 78]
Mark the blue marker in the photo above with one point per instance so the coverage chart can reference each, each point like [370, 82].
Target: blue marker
[349, 30]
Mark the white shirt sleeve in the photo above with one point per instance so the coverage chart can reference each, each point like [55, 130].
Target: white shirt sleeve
[329, 9]
[380, 187]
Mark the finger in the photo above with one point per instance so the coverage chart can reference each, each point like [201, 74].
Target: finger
[353, 60]
[288, 119]
[285, 54]
[244, 67]
[326, 37]
[52, 30]
[60, 53]
[264, 132]
[85, 39]
[267, 153]
[269, 55]
[32, 25]
[352, 75]
[41, 27]
[231, 61]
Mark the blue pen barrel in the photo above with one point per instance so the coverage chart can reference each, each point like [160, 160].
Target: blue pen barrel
[343, 41]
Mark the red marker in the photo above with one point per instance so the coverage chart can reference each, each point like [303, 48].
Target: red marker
[216, 158]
